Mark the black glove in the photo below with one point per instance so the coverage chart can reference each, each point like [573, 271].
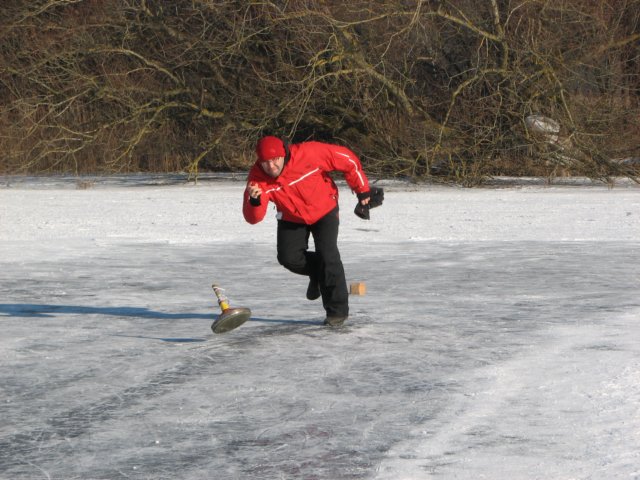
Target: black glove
[362, 211]
[375, 196]
[255, 201]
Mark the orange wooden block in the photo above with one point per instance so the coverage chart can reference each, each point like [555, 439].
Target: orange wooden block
[358, 288]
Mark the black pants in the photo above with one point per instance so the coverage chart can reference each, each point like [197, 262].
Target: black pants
[324, 264]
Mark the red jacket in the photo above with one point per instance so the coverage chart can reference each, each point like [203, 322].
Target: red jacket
[304, 192]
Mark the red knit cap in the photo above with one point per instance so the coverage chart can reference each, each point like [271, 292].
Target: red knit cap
[269, 148]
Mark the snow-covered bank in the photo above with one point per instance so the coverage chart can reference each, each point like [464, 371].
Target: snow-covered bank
[145, 209]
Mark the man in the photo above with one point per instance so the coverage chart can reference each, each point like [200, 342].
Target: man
[296, 179]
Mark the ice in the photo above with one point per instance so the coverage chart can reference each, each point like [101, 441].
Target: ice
[499, 336]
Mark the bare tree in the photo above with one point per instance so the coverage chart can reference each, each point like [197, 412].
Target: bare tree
[418, 88]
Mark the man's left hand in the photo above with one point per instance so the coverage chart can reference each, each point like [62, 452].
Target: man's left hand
[367, 200]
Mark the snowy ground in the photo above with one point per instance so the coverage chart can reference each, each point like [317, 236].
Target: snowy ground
[499, 337]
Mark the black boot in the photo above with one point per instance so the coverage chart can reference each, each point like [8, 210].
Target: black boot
[313, 290]
[335, 320]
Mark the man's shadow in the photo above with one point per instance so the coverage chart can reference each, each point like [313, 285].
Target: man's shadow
[30, 310]
[38, 311]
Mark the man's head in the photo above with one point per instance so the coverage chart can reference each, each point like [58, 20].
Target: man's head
[271, 153]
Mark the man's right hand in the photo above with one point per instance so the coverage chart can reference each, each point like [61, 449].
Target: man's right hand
[254, 191]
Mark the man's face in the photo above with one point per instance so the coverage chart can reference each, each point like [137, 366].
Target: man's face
[273, 167]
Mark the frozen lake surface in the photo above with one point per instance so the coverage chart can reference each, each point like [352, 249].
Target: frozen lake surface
[499, 336]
